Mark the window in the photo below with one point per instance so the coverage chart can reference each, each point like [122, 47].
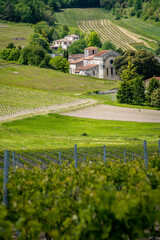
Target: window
[93, 52]
[111, 71]
[107, 71]
[111, 61]
[103, 66]
[93, 72]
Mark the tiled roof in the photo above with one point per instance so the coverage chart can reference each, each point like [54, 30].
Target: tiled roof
[76, 56]
[101, 53]
[77, 61]
[72, 35]
[90, 48]
[89, 57]
[63, 40]
[88, 67]
[157, 78]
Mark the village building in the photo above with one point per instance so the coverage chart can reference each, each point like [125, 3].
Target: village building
[65, 42]
[95, 64]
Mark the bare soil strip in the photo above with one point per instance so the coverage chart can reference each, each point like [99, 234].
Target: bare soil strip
[106, 112]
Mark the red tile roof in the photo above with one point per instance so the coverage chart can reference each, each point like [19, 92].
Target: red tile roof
[91, 57]
[101, 53]
[77, 61]
[88, 66]
[157, 78]
[78, 56]
[91, 48]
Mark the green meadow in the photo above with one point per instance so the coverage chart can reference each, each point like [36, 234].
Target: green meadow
[9, 30]
[54, 131]
[50, 80]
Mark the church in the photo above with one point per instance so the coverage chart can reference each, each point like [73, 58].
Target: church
[94, 63]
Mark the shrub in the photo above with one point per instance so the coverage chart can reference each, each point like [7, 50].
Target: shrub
[4, 54]
[14, 55]
[153, 84]
[33, 55]
[155, 98]
[60, 63]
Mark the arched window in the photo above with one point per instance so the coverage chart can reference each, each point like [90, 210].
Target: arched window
[107, 71]
[111, 71]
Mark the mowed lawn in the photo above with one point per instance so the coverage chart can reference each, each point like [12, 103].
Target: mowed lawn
[52, 131]
[47, 79]
[8, 31]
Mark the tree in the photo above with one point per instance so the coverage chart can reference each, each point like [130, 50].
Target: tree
[94, 40]
[157, 51]
[108, 45]
[153, 84]
[138, 91]
[129, 72]
[60, 63]
[32, 55]
[125, 93]
[77, 47]
[155, 98]
[39, 39]
[145, 62]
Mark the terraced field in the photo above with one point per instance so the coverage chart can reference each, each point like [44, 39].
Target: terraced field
[107, 31]
[72, 16]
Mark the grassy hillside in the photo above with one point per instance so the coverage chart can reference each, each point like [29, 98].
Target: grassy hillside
[31, 88]
[137, 25]
[53, 131]
[8, 31]
[47, 79]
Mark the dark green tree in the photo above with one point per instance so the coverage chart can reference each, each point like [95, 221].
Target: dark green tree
[155, 98]
[153, 84]
[138, 91]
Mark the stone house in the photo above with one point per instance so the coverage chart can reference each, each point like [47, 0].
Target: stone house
[96, 64]
[65, 42]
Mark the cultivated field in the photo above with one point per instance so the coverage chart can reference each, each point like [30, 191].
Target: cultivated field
[140, 27]
[10, 31]
[107, 31]
[27, 88]
[71, 16]
[105, 25]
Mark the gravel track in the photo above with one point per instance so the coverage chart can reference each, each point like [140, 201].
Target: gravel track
[106, 112]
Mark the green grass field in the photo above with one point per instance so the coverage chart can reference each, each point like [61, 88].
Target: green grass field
[50, 80]
[8, 31]
[30, 88]
[137, 25]
[55, 131]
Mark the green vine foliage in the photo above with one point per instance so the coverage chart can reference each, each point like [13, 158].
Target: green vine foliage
[94, 201]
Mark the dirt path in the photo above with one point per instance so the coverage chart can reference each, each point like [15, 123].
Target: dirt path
[79, 103]
[106, 112]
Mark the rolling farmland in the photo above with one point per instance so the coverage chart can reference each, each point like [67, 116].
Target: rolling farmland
[71, 16]
[107, 31]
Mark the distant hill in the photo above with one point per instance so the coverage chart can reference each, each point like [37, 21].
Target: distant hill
[35, 11]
